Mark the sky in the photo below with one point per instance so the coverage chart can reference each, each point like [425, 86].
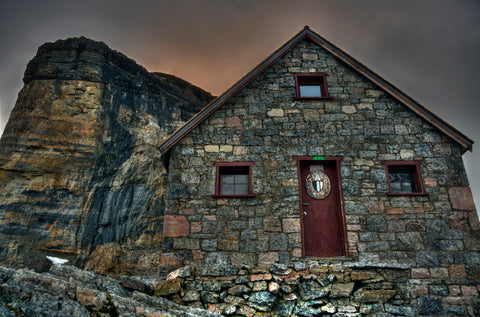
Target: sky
[430, 49]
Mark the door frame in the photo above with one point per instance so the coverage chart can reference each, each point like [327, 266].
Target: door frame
[318, 159]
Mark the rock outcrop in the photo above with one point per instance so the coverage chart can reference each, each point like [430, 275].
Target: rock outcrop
[69, 291]
[79, 159]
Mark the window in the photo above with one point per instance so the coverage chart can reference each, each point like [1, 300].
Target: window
[234, 179]
[311, 86]
[404, 178]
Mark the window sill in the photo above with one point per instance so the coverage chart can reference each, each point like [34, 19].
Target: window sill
[407, 194]
[233, 196]
[313, 98]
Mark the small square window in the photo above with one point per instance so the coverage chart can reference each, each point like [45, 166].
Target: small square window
[311, 86]
[234, 179]
[404, 178]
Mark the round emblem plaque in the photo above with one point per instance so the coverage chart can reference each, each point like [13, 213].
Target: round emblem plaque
[318, 185]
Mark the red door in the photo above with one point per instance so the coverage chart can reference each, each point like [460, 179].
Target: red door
[323, 220]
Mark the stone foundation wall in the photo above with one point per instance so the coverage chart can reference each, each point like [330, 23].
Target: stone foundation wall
[314, 289]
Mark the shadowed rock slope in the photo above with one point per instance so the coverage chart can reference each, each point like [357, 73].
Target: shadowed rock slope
[79, 159]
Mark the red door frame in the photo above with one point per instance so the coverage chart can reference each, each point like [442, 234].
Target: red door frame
[337, 161]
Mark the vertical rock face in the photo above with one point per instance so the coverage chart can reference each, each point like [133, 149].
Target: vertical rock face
[79, 165]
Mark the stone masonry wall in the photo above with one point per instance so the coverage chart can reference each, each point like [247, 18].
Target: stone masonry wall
[317, 290]
[437, 235]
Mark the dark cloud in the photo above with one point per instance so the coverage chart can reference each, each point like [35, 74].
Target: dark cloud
[427, 48]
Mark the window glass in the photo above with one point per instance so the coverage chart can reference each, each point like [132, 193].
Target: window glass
[233, 179]
[311, 86]
[401, 182]
[310, 91]
[404, 178]
[236, 184]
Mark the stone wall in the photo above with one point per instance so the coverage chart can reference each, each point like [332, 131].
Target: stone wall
[321, 289]
[437, 235]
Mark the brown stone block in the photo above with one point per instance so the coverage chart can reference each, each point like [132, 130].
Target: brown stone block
[297, 253]
[228, 245]
[461, 198]
[394, 211]
[318, 268]
[293, 279]
[222, 202]
[439, 272]
[469, 290]
[261, 277]
[169, 262]
[419, 290]
[354, 227]
[197, 255]
[233, 121]
[352, 237]
[196, 227]
[454, 290]
[458, 224]
[341, 290]
[239, 150]
[291, 225]
[473, 219]
[164, 288]
[187, 140]
[271, 225]
[175, 226]
[365, 275]
[420, 273]
[374, 296]
[454, 300]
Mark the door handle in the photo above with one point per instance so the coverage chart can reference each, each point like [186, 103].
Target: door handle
[306, 204]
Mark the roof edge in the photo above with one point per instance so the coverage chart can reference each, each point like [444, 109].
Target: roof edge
[465, 142]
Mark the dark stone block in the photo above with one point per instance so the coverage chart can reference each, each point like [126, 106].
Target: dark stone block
[209, 297]
[355, 208]
[262, 301]
[456, 311]
[410, 241]
[350, 187]
[248, 235]
[311, 290]
[440, 229]
[223, 270]
[376, 223]
[253, 246]
[176, 191]
[377, 246]
[427, 259]
[438, 290]
[429, 306]
[285, 308]
[278, 242]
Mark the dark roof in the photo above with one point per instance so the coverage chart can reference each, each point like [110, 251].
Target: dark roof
[409, 102]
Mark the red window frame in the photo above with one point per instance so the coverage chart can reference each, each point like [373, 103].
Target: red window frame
[313, 79]
[408, 166]
[224, 168]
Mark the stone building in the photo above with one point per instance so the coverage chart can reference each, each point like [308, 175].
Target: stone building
[313, 156]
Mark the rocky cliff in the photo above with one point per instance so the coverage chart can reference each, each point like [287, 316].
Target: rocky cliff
[79, 159]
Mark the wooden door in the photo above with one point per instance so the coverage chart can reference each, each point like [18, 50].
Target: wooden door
[323, 220]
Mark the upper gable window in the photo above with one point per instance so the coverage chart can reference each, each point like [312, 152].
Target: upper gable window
[311, 86]
[234, 179]
[404, 178]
